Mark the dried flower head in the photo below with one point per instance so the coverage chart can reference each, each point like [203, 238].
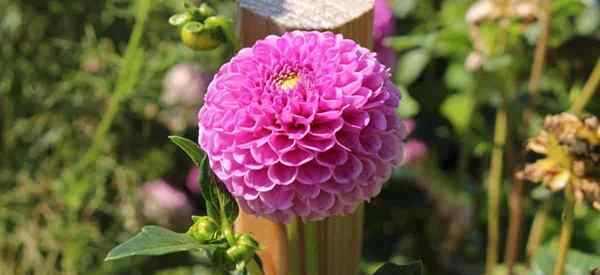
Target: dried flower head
[525, 11]
[302, 124]
[570, 149]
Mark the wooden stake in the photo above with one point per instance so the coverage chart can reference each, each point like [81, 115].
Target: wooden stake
[339, 239]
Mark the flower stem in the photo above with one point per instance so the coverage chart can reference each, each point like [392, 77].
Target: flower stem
[494, 189]
[127, 79]
[294, 247]
[536, 233]
[588, 90]
[312, 251]
[253, 268]
[516, 195]
[566, 231]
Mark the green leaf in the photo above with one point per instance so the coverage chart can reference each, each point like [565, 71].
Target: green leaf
[458, 109]
[411, 65]
[211, 199]
[190, 148]
[458, 78]
[589, 20]
[409, 107]
[404, 42]
[412, 268]
[154, 240]
[578, 263]
[218, 201]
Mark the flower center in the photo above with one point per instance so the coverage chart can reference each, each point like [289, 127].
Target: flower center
[288, 81]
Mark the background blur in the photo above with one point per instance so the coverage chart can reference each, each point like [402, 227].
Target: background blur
[85, 159]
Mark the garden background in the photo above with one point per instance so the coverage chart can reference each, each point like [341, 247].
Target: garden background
[90, 90]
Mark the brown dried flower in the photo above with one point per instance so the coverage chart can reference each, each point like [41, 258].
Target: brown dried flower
[569, 146]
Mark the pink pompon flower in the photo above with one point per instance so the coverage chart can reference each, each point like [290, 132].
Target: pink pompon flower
[302, 124]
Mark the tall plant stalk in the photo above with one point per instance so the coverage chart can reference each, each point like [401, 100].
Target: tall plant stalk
[516, 195]
[494, 188]
[566, 231]
[127, 79]
[536, 234]
[588, 90]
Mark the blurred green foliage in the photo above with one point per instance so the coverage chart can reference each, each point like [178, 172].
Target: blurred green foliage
[60, 64]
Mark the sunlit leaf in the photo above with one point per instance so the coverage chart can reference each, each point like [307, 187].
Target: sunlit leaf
[578, 263]
[458, 109]
[411, 65]
[190, 148]
[154, 240]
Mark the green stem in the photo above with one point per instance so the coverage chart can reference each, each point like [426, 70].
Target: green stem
[226, 225]
[253, 268]
[294, 239]
[588, 90]
[494, 189]
[312, 251]
[536, 233]
[127, 78]
[566, 230]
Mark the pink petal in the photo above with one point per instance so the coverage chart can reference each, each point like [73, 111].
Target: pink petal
[333, 157]
[318, 144]
[282, 174]
[278, 198]
[348, 171]
[313, 173]
[259, 180]
[296, 157]
[263, 154]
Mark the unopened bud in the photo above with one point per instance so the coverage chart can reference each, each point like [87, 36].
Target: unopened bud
[195, 36]
[204, 229]
[243, 250]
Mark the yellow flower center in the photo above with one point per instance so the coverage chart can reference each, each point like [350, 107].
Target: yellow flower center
[288, 81]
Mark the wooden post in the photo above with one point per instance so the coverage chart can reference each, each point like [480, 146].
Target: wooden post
[339, 239]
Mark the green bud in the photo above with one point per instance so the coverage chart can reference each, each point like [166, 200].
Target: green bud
[204, 229]
[247, 240]
[179, 20]
[196, 37]
[243, 250]
[206, 11]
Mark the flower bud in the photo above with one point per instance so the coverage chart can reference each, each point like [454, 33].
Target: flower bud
[204, 229]
[195, 36]
[206, 11]
[243, 250]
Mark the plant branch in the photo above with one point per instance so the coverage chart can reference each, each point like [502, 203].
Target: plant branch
[588, 90]
[127, 78]
[537, 228]
[516, 195]
[566, 230]
[494, 188]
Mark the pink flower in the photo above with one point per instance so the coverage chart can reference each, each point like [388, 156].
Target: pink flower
[415, 150]
[383, 20]
[184, 84]
[191, 181]
[302, 124]
[383, 26]
[165, 204]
